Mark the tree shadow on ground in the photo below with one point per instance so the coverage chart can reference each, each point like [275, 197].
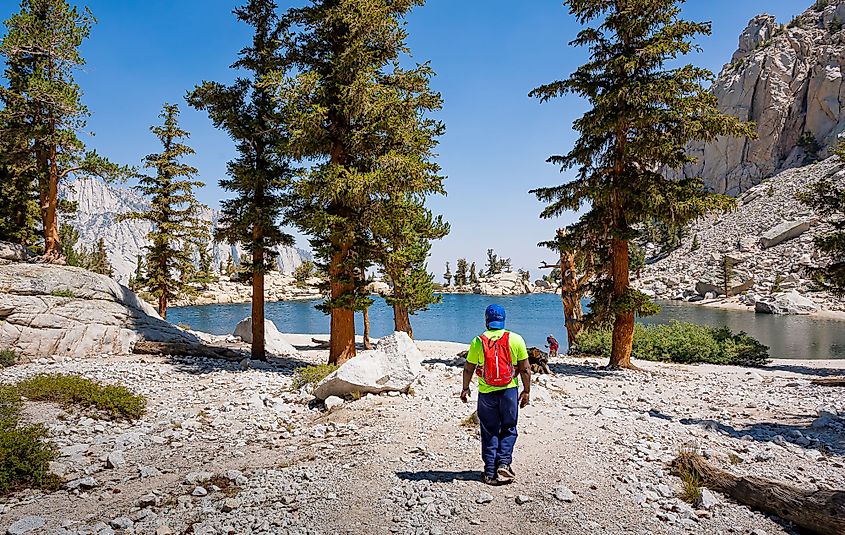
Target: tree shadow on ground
[440, 476]
[456, 362]
[285, 366]
[821, 436]
[805, 370]
[585, 370]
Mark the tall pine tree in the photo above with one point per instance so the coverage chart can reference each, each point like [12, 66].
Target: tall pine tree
[43, 103]
[174, 213]
[361, 118]
[642, 115]
[248, 111]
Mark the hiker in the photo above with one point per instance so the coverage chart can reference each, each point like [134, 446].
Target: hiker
[553, 346]
[499, 358]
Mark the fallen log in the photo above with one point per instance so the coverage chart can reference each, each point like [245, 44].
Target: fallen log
[820, 511]
[833, 381]
[187, 350]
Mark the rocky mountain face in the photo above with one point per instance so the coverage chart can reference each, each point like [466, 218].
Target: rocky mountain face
[99, 204]
[789, 80]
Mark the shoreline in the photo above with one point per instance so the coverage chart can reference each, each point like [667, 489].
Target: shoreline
[734, 305]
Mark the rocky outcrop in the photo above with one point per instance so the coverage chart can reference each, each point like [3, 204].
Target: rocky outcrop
[500, 284]
[96, 217]
[789, 81]
[274, 342]
[788, 303]
[391, 367]
[48, 310]
[768, 238]
[277, 287]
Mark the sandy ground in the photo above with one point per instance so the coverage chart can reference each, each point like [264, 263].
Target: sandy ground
[409, 463]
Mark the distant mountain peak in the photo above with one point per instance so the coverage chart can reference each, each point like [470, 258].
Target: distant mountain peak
[100, 204]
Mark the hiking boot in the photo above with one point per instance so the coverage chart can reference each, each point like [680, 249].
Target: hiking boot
[490, 480]
[505, 473]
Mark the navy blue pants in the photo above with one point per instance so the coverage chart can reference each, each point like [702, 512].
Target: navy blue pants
[498, 413]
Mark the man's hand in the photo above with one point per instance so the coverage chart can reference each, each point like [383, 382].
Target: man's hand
[465, 395]
[524, 399]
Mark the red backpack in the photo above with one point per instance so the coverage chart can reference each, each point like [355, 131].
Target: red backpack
[498, 367]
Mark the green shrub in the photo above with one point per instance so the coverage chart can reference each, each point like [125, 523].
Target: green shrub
[62, 293]
[7, 358]
[70, 390]
[684, 343]
[311, 375]
[25, 452]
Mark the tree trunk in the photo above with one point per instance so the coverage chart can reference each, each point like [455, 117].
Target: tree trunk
[570, 295]
[367, 343]
[819, 511]
[257, 349]
[402, 320]
[342, 320]
[49, 197]
[162, 301]
[623, 326]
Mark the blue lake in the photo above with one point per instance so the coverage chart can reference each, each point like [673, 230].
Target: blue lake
[460, 317]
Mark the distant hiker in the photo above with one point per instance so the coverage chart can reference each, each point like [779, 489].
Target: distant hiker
[499, 358]
[553, 346]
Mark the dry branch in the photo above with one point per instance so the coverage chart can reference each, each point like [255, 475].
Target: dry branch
[820, 511]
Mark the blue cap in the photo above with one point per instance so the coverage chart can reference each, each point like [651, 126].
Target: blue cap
[495, 317]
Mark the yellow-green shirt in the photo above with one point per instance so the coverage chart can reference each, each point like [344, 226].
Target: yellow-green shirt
[476, 356]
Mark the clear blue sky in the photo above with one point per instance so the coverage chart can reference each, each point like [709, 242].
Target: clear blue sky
[488, 54]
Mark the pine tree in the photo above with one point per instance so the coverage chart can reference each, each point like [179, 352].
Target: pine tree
[135, 281]
[41, 48]
[642, 114]
[99, 262]
[262, 172]
[473, 276]
[448, 275]
[174, 213]
[205, 274]
[74, 257]
[828, 200]
[727, 275]
[461, 272]
[362, 117]
[494, 267]
[403, 241]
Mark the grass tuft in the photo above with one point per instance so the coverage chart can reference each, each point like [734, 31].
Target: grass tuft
[311, 375]
[690, 486]
[471, 421]
[63, 293]
[8, 358]
[226, 485]
[25, 452]
[70, 390]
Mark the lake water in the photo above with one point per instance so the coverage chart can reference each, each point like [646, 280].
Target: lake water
[460, 317]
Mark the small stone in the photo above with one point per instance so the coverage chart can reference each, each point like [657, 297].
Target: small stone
[564, 494]
[163, 530]
[148, 471]
[523, 499]
[333, 402]
[147, 500]
[84, 483]
[26, 524]
[121, 522]
[115, 460]
[199, 491]
[484, 497]
[230, 504]
[708, 500]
